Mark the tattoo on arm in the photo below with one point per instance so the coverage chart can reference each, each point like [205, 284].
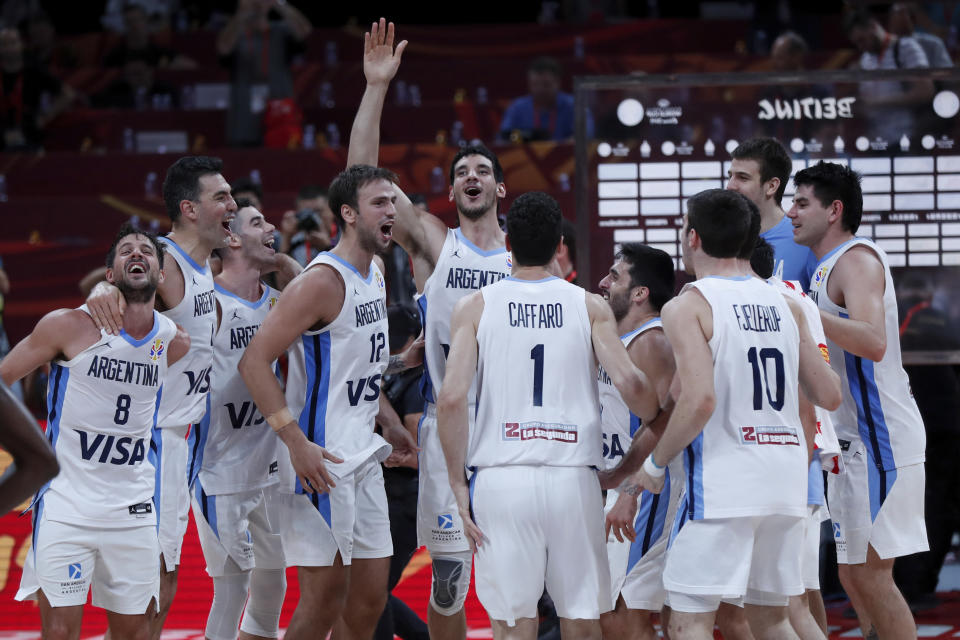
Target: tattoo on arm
[631, 489]
[395, 365]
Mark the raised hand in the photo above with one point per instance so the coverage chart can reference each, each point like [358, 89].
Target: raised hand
[380, 59]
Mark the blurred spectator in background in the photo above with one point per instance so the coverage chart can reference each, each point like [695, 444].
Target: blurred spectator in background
[246, 188]
[546, 113]
[43, 51]
[259, 52]
[891, 103]
[137, 89]
[902, 23]
[138, 44]
[4, 291]
[13, 13]
[788, 52]
[156, 14]
[29, 97]
[309, 229]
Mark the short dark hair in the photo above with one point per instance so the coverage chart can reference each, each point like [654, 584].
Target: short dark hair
[753, 233]
[533, 228]
[832, 181]
[569, 232]
[771, 156]
[477, 150]
[127, 229]
[795, 42]
[346, 186]
[183, 181]
[650, 268]
[244, 184]
[545, 64]
[722, 219]
[858, 18]
[761, 260]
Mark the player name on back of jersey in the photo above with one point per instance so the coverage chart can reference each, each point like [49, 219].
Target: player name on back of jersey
[118, 370]
[757, 317]
[368, 312]
[204, 303]
[535, 316]
[464, 278]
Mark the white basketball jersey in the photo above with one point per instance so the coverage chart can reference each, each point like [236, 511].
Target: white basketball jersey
[536, 389]
[102, 410]
[461, 268]
[233, 449]
[342, 367]
[617, 422]
[751, 457]
[185, 393]
[826, 437]
[878, 407]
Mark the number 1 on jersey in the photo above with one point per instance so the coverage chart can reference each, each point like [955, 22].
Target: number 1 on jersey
[537, 355]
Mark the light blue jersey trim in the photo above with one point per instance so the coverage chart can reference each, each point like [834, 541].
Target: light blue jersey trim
[186, 256]
[475, 248]
[369, 277]
[651, 518]
[142, 341]
[252, 305]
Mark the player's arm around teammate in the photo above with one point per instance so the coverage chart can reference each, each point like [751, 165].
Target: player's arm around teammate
[452, 405]
[33, 459]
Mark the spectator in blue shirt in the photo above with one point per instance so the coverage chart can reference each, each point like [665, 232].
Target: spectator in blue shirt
[546, 113]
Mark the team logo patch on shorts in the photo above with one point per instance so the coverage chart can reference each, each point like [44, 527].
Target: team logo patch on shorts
[445, 521]
[75, 571]
[781, 435]
[521, 431]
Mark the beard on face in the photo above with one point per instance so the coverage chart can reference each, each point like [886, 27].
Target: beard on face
[475, 213]
[620, 305]
[138, 295]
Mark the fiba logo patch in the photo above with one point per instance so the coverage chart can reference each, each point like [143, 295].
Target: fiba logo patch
[509, 261]
[380, 283]
[156, 350]
[820, 275]
[75, 571]
[271, 302]
[445, 521]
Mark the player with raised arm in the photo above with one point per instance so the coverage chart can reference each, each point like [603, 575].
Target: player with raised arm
[876, 504]
[728, 329]
[233, 466]
[336, 528]
[197, 199]
[533, 341]
[447, 265]
[636, 287]
[95, 524]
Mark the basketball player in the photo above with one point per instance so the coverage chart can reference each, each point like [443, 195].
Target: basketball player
[198, 201]
[447, 265]
[760, 170]
[533, 342]
[233, 467]
[807, 613]
[877, 502]
[33, 463]
[95, 522]
[637, 286]
[744, 448]
[336, 528]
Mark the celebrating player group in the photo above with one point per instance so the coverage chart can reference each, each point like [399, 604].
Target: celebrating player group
[640, 454]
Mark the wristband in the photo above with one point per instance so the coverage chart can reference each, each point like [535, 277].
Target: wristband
[652, 469]
[279, 419]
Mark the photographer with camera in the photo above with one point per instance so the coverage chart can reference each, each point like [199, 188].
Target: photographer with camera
[309, 229]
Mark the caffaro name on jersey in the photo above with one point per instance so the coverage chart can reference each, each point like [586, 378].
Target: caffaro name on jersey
[535, 316]
[118, 370]
[463, 278]
[368, 312]
[204, 303]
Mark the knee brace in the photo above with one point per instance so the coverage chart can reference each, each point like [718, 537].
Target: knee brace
[451, 580]
[267, 590]
[229, 596]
